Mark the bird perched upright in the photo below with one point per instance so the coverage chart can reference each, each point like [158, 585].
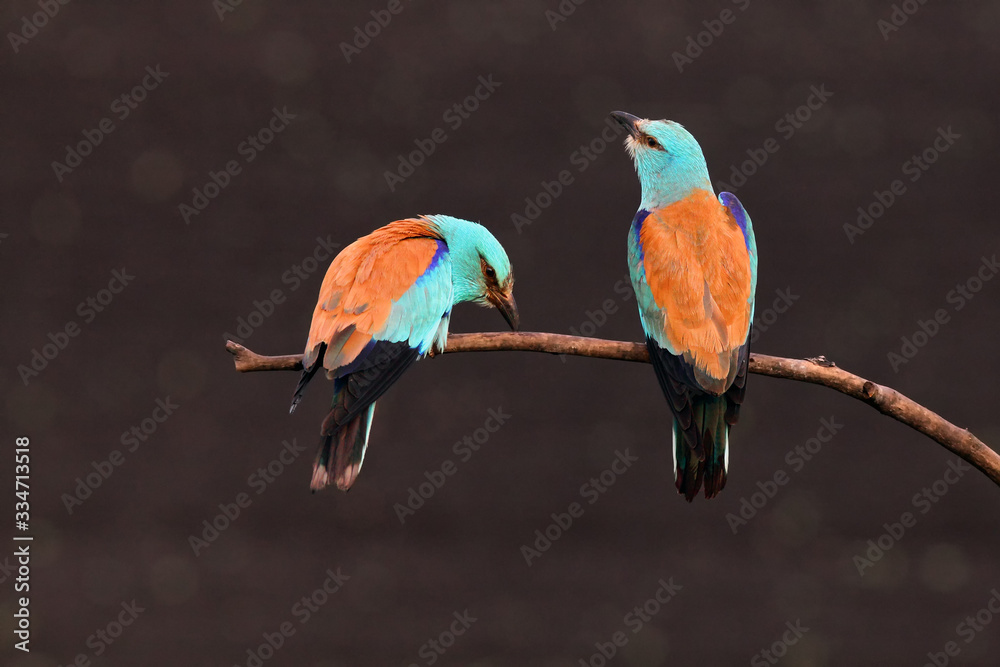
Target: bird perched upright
[693, 263]
[385, 302]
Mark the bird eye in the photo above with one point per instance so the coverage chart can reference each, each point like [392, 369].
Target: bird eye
[652, 143]
[490, 273]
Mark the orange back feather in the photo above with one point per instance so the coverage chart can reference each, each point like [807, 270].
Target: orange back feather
[361, 284]
[698, 271]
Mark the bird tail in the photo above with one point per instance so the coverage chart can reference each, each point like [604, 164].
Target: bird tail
[707, 458]
[342, 449]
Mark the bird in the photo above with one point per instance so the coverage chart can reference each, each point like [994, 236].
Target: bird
[385, 302]
[693, 265]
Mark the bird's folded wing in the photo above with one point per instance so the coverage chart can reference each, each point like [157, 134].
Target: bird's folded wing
[740, 217]
[392, 286]
[694, 286]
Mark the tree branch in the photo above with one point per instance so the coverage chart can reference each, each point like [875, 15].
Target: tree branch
[817, 370]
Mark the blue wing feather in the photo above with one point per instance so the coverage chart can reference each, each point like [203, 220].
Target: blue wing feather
[742, 219]
[417, 320]
[416, 317]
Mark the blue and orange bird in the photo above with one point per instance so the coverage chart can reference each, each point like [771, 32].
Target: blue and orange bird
[385, 302]
[693, 262]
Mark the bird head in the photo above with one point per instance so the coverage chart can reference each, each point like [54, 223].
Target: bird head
[481, 271]
[667, 158]
[495, 281]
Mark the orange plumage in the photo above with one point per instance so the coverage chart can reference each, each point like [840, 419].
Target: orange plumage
[361, 284]
[699, 274]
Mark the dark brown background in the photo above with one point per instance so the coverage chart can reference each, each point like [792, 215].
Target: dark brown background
[163, 335]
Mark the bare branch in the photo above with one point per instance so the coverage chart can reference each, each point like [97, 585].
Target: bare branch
[818, 370]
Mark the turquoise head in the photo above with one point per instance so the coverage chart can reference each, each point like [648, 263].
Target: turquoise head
[667, 158]
[481, 271]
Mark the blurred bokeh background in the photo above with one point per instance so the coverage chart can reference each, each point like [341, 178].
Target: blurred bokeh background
[211, 76]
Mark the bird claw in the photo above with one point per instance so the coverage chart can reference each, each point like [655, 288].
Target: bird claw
[821, 361]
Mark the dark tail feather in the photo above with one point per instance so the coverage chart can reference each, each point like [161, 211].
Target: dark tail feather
[706, 458]
[322, 465]
[307, 374]
[688, 468]
[342, 449]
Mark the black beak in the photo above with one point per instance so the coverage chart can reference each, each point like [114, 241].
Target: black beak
[507, 307]
[628, 121]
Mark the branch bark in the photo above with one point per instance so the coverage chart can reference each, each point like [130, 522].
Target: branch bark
[816, 370]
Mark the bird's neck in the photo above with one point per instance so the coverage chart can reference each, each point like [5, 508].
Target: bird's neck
[464, 262]
[665, 188]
